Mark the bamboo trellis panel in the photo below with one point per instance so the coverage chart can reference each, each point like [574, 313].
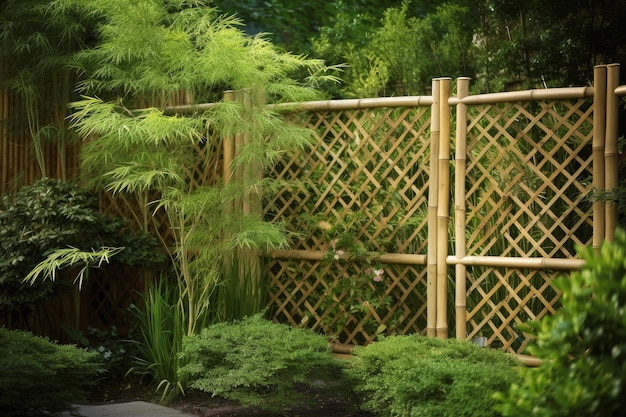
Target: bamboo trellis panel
[528, 178]
[366, 177]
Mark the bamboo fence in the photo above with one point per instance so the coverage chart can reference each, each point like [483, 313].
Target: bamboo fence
[494, 185]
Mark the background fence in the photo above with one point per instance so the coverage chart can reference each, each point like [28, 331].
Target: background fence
[445, 215]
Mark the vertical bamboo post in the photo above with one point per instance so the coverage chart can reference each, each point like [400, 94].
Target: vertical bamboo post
[251, 204]
[4, 111]
[599, 131]
[228, 146]
[611, 154]
[431, 268]
[460, 168]
[443, 208]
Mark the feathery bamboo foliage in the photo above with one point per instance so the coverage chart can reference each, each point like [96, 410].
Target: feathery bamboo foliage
[148, 52]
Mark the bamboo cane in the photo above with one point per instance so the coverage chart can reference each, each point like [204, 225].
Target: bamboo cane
[565, 93]
[563, 264]
[431, 269]
[4, 169]
[228, 145]
[621, 91]
[443, 208]
[459, 208]
[611, 154]
[599, 130]
[320, 255]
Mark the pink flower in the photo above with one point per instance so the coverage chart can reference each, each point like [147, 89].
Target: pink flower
[378, 275]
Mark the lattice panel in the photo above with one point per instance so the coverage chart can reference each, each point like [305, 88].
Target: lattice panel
[367, 166]
[110, 292]
[528, 177]
[301, 294]
[500, 299]
[368, 170]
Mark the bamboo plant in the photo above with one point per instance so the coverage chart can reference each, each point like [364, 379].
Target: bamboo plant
[148, 55]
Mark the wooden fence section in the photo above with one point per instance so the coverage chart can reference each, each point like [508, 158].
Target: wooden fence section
[523, 164]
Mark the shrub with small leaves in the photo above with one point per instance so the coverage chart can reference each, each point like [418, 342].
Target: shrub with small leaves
[422, 376]
[259, 363]
[583, 345]
[38, 377]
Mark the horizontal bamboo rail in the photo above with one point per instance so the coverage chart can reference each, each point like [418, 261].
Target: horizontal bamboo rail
[345, 104]
[526, 95]
[358, 103]
[319, 255]
[620, 91]
[418, 259]
[518, 262]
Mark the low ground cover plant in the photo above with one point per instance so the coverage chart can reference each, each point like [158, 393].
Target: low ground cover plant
[420, 376]
[259, 363]
[583, 345]
[38, 377]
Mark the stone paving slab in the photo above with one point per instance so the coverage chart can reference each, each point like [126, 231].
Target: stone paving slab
[129, 409]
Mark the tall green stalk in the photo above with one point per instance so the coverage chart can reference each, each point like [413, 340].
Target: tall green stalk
[160, 338]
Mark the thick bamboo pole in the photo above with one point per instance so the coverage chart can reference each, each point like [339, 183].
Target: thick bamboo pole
[621, 91]
[344, 104]
[443, 208]
[460, 171]
[562, 264]
[431, 269]
[320, 255]
[228, 146]
[527, 95]
[412, 101]
[4, 169]
[611, 154]
[599, 131]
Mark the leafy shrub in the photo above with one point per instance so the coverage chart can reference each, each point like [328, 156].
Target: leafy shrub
[50, 215]
[39, 377]
[258, 362]
[420, 376]
[583, 345]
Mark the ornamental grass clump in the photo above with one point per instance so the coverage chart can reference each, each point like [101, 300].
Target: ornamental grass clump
[259, 363]
[419, 376]
[583, 345]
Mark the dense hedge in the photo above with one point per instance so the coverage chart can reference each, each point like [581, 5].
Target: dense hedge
[38, 377]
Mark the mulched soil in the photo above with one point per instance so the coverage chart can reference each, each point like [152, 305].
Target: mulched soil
[197, 403]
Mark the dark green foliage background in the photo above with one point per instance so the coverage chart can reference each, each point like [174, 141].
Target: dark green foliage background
[50, 215]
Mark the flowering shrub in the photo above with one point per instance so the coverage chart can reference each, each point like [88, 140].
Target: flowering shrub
[358, 292]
